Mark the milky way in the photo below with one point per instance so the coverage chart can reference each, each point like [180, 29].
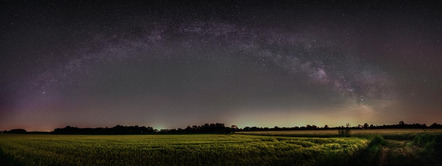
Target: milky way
[285, 66]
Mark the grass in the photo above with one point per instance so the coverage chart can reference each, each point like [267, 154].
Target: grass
[317, 147]
[386, 147]
[177, 150]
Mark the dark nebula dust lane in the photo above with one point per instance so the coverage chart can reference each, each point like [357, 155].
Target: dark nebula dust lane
[171, 64]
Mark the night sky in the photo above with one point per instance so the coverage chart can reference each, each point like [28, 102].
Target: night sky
[170, 64]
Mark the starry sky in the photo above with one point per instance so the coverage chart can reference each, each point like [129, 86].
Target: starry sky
[170, 64]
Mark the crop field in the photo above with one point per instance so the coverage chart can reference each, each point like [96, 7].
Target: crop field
[387, 146]
[216, 149]
[176, 150]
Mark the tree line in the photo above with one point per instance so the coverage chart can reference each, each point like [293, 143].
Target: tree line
[400, 125]
[118, 129]
[214, 128]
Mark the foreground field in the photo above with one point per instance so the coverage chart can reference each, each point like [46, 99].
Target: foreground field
[177, 150]
[314, 147]
[387, 146]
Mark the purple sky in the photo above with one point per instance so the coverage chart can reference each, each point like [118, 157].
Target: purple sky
[171, 64]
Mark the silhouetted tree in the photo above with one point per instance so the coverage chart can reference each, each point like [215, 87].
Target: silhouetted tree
[435, 125]
[365, 125]
[17, 131]
[344, 132]
[401, 123]
[314, 127]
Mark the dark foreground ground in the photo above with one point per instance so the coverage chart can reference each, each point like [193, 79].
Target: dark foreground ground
[375, 147]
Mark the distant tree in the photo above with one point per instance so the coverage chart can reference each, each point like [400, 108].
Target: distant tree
[344, 132]
[365, 125]
[17, 131]
[435, 125]
[401, 123]
[326, 127]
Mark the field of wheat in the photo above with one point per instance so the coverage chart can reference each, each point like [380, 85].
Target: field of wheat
[308, 147]
[176, 150]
